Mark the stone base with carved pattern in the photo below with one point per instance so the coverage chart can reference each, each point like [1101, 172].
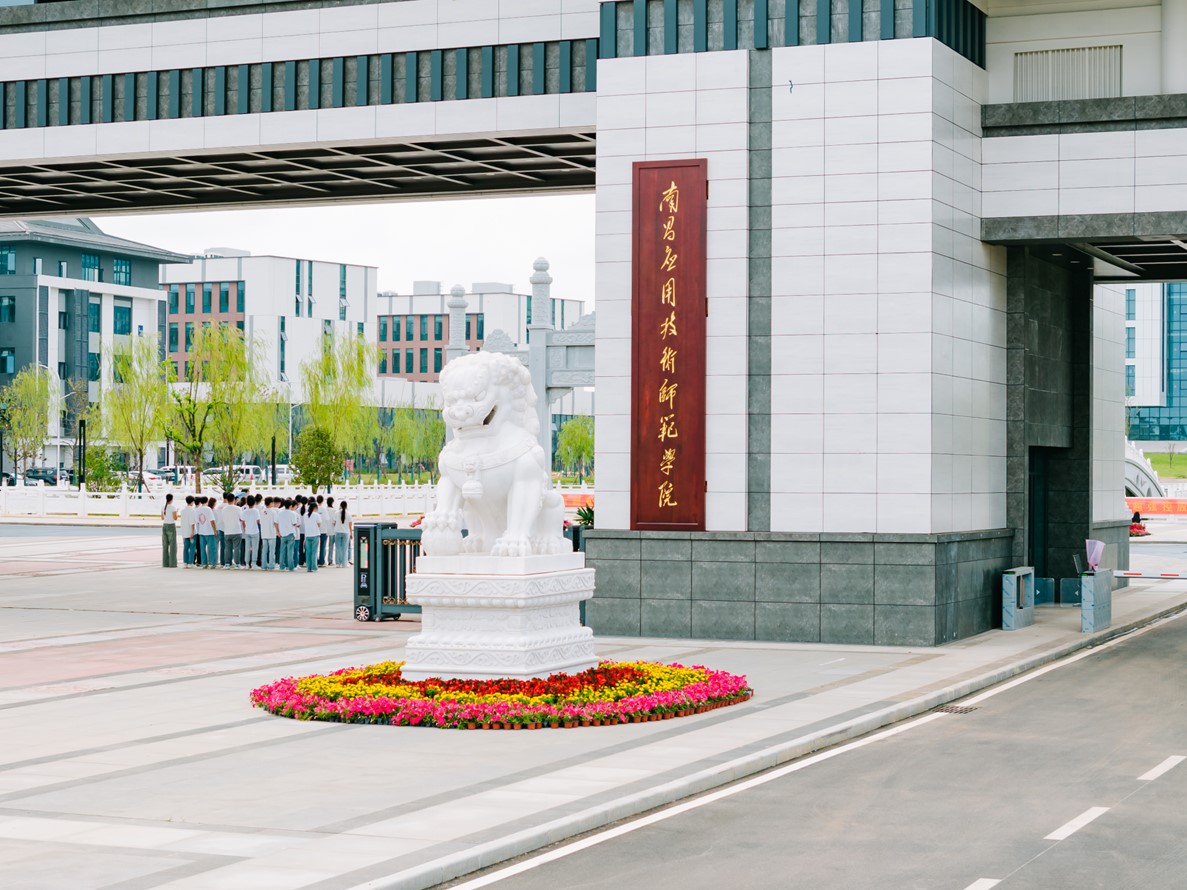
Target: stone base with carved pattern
[490, 624]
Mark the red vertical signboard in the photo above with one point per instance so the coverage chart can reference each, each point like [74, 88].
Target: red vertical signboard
[668, 354]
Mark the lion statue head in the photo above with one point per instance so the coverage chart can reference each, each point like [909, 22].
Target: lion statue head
[485, 392]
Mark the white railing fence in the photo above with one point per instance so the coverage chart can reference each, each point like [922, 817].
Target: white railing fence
[366, 501]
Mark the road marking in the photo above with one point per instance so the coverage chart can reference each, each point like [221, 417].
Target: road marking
[1165, 767]
[834, 661]
[593, 840]
[983, 884]
[1066, 831]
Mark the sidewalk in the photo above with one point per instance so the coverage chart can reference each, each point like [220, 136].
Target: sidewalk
[132, 754]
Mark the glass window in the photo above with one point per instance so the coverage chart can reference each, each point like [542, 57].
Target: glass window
[383, 327]
[7, 308]
[121, 271]
[309, 279]
[241, 299]
[297, 289]
[61, 370]
[63, 320]
[63, 269]
[408, 359]
[408, 327]
[437, 360]
[1131, 304]
[207, 296]
[341, 311]
[481, 326]
[529, 299]
[93, 366]
[189, 335]
[467, 327]
[36, 265]
[1129, 342]
[239, 324]
[7, 360]
[173, 299]
[424, 361]
[7, 260]
[360, 329]
[438, 327]
[383, 362]
[121, 322]
[189, 298]
[90, 267]
[173, 336]
[342, 282]
[309, 307]
[424, 327]
[1130, 380]
[224, 297]
[297, 306]
[94, 317]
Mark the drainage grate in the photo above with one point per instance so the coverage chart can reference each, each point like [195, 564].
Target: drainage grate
[955, 709]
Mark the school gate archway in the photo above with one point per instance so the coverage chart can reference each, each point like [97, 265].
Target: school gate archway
[901, 342]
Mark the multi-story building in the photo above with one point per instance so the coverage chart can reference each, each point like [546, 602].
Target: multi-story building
[413, 329]
[69, 295]
[287, 305]
[1156, 364]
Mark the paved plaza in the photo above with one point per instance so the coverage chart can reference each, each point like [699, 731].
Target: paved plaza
[132, 757]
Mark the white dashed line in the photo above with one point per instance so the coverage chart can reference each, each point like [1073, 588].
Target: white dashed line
[1066, 831]
[1165, 767]
[983, 884]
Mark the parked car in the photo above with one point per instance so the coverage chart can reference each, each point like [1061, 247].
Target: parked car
[48, 475]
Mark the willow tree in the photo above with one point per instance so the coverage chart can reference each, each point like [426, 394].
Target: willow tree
[135, 400]
[219, 400]
[337, 384]
[575, 444]
[26, 401]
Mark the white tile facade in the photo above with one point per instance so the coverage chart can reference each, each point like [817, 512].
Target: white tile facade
[647, 110]
[888, 315]
[1108, 403]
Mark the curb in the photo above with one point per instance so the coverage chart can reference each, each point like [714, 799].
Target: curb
[453, 866]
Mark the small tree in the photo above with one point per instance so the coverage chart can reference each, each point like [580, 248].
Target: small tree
[135, 402]
[575, 444]
[337, 383]
[27, 399]
[239, 419]
[429, 438]
[317, 461]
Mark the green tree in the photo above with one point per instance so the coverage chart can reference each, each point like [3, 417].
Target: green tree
[337, 383]
[317, 461]
[27, 401]
[401, 437]
[240, 419]
[429, 438]
[136, 401]
[575, 444]
[100, 470]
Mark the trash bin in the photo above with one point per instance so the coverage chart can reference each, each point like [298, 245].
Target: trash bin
[384, 554]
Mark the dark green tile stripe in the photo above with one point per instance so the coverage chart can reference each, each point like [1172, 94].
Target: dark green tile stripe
[791, 23]
[824, 21]
[700, 26]
[730, 24]
[640, 27]
[919, 18]
[886, 14]
[671, 25]
[855, 35]
[608, 37]
[758, 395]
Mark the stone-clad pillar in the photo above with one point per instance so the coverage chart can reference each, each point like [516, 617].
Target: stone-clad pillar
[457, 324]
[1174, 39]
[539, 335]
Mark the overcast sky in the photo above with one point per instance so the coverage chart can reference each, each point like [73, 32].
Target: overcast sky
[452, 241]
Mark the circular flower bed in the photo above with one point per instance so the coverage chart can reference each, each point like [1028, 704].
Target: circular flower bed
[612, 692]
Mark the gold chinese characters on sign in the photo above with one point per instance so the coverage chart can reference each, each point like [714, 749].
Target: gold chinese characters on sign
[667, 473]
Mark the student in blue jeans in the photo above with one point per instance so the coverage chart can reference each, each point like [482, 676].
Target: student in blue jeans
[312, 525]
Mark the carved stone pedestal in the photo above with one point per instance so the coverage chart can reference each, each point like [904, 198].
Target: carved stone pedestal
[484, 618]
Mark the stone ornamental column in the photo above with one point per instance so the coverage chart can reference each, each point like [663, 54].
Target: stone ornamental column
[1174, 39]
[457, 323]
[539, 335]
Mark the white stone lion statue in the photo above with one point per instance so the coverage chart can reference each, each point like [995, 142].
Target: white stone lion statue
[494, 474]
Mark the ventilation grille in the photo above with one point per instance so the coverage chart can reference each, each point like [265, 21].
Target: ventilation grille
[1091, 72]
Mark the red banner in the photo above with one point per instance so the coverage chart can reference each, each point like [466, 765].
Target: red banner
[1157, 506]
[668, 354]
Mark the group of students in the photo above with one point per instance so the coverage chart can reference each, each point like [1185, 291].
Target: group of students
[252, 531]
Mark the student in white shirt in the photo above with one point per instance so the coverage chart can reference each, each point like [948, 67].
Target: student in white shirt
[251, 531]
[207, 533]
[189, 534]
[284, 532]
[268, 535]
[230, 523]
[312, 524]
[169, 533]
[343, 524]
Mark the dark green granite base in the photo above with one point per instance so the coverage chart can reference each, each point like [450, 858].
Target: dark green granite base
[890, 590]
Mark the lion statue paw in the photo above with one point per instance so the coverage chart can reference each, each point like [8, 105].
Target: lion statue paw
[441, 533]
[510, 546]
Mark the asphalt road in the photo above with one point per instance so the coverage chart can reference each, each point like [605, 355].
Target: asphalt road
[1039, 788]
